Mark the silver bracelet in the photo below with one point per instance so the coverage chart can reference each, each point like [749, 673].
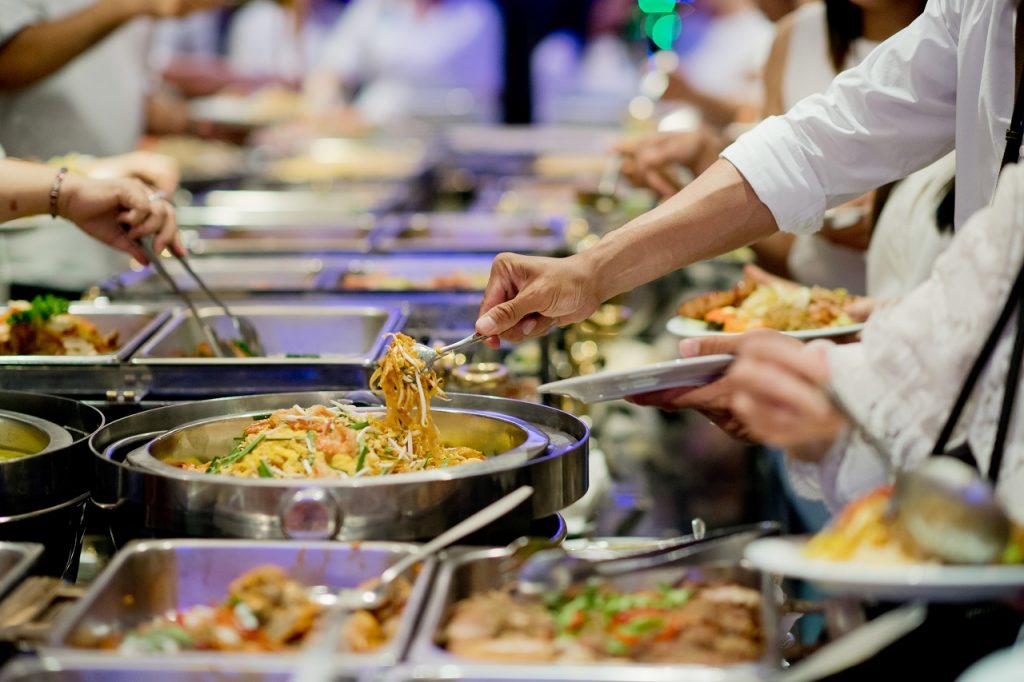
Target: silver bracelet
[55, 190]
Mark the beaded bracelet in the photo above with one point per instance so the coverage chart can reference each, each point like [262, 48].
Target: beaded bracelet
[55, 190]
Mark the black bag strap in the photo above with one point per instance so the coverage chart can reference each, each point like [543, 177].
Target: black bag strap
[1011, 155]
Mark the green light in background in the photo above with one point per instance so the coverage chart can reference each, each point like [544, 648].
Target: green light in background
[657, 6]
[666, 30]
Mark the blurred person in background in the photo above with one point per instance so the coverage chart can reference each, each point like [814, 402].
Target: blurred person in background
[722, 50]
[74, 78]
[597, 68]
[395, 58]
[281, 40]
[907, 223]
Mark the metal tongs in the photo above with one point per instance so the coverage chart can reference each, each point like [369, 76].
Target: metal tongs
[429, 356]
[554, 570]
[243, 327]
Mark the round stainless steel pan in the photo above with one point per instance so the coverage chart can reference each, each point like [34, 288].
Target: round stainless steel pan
[505, 440]
[147, 502]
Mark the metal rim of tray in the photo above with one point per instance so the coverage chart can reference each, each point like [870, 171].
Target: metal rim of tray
[57, 437]
[535, 443]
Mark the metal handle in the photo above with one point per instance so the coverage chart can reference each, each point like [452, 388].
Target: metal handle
[480, 519]
[468, 341]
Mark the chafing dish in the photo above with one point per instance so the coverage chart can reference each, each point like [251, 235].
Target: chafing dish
[75, 669]
[144, 502]
[353, 198]
[470, 232]
[16, 558]
[530, 140]
[407, 274]
[563, 673]
[232, 276]
[148, 579]
[284, 238]
[461, 576]
[327, 160]
[310, 346]
[44, 493]
[133, 323]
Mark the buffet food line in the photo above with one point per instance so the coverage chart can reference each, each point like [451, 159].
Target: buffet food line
[239, 489]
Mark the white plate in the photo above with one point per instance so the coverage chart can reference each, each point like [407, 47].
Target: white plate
[595, 388]
[898, 582]
[689, 328]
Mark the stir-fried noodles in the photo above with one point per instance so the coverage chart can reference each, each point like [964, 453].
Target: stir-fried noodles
[338, 441]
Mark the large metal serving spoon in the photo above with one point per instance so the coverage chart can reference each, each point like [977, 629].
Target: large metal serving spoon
[429, 356]
[315, 664]
[943, 504]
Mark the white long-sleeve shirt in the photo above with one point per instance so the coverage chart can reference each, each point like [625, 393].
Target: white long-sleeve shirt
[946, 79]
[904, 376]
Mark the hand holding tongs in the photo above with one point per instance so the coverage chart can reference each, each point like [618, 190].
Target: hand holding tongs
[554, 571]
[245, 330]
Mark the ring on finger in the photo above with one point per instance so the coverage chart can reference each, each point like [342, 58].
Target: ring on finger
[159, 195]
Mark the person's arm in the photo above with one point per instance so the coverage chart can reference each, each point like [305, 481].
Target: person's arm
[42, 49]
[894, 113]
[902, 379]
[115, 212]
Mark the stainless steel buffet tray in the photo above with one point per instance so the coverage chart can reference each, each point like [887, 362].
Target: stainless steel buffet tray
[150, 578]
[470, 232]
[461, 576]
[16, 559]
[353, 198]
[133, 323]
[232, 276]
[309, 346]
[351, 236]
[406, 274]
[291, 334]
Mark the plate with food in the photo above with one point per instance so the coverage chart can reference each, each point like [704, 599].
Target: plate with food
[801, 312]
[864, 553]
[679, 373]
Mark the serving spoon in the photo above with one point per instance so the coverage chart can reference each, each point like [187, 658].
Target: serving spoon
[315, 664]
[942, 504]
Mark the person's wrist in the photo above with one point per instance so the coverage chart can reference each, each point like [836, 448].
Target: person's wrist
[69, 189]
[596, 262]
[124, 10]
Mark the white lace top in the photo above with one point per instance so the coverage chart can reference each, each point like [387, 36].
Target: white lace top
[903, 377]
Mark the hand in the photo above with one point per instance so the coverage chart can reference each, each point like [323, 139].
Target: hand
[777, 394]
[156, 170]
[650, 161]
[713, 400]
[119, 212]
[526, 295]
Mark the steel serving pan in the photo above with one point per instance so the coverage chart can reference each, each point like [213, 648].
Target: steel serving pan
[495, 435]
[144, 503]
[470, 233]
[355, 198]
[239, 276]
[462, 575]
[74, 669]
[408, 274]
[60, 471]
[22, 435]
[147, 579]
[291, 334]
[278, 238]
[16, 558]
[134, 324]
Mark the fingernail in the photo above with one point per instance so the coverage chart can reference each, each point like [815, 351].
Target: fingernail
[486, 325]
[689, 348]
[529, 326]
